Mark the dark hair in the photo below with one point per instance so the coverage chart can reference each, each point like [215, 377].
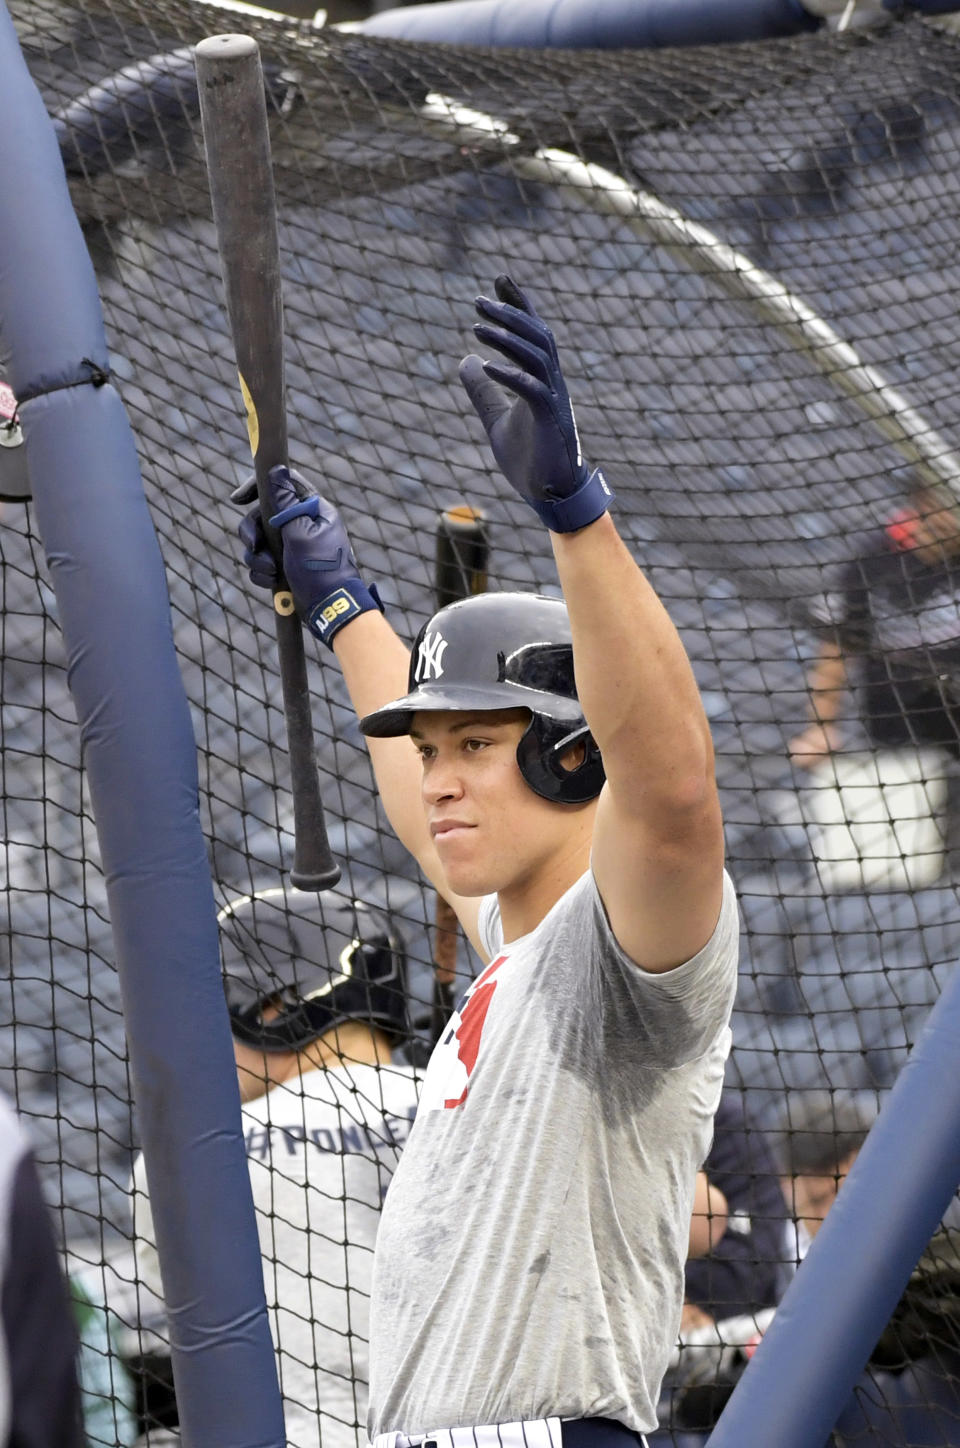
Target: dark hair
[820, 1130]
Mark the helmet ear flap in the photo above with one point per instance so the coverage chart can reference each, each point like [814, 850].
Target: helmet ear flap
[540, 754]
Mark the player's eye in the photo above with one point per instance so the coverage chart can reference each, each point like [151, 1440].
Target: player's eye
[473, 746]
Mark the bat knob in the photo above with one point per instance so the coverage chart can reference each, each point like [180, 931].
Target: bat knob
[226, 47]
[315, 879]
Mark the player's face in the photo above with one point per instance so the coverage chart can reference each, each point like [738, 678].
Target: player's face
[490, 830]
[813, 1196]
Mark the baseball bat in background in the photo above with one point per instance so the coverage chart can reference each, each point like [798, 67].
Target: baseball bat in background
[233, 113]
[460, 569]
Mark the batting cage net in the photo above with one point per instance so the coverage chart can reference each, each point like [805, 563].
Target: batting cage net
[750, 258]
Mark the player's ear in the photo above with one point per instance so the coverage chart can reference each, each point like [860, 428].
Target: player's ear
[573, 757]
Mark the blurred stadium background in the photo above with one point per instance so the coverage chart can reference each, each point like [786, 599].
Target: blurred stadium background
[747, 477]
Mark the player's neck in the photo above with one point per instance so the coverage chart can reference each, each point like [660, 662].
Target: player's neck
[353, 1043]
[523, 905]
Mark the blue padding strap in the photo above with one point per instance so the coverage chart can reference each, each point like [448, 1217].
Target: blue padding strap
[352, 598]
[87, 373]
[566, 515]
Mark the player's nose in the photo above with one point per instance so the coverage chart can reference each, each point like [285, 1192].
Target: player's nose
[442, 781]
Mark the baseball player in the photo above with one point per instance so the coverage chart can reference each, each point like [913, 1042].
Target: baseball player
[315, 987]
[549, 765]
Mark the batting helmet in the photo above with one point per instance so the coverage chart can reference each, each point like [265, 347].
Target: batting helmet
[504, 651]
[321, 959]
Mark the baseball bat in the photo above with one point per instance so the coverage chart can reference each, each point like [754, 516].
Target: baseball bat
[460, 569]
[236, 135]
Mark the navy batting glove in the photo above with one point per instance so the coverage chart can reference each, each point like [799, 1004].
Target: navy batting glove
[318, 561]
[534, 437]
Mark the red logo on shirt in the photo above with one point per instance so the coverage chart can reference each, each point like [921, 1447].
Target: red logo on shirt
[474, 1013]
[455, 1055]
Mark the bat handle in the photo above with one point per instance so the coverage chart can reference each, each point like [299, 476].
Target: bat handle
[314, 867]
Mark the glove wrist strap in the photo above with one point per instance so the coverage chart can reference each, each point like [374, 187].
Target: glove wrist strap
[566, 515]
[345, 603]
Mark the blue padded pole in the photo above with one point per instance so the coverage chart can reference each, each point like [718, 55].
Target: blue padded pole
[858, 1265]
[141, 763]
[598, 24]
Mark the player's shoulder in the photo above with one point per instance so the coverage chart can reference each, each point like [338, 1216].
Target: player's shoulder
[717, 957]
[575, 904]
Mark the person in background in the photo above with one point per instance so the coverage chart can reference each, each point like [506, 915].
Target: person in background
[316, 991]
[910, 1393]
[895, 639]
[731, 1288]
[40, 1403]
[742, 1272]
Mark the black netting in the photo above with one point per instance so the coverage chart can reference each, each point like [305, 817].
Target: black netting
[706, 230]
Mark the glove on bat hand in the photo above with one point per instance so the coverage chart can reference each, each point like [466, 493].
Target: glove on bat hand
[534, 437]
[318, 561]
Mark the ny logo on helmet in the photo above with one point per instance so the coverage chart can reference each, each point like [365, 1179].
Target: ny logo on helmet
[430, 656]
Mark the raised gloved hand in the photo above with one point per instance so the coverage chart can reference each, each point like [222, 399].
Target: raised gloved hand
[317, 558]
[533, 436]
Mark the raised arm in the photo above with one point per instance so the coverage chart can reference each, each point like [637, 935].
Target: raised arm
[658, 837]
[340, 610]
[657, 843]
[826, 684]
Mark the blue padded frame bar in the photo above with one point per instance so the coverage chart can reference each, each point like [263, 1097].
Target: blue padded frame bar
[141, 761]
[595, 24]
[841, 1299]
[609, 24]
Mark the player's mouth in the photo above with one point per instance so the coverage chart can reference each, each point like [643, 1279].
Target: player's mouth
[449, 829]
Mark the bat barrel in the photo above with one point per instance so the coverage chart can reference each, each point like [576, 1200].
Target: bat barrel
[462, 549]
[236, 133]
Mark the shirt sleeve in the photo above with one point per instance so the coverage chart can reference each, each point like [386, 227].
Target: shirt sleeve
[679, 1013]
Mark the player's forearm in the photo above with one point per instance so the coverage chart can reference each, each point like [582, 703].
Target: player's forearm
[375, 663]
[634, 678]
[827, 684]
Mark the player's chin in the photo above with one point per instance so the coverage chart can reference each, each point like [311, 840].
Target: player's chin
[468, 883]
[467, 876]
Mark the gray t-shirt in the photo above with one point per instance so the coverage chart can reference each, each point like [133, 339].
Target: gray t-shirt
[530, 1255]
